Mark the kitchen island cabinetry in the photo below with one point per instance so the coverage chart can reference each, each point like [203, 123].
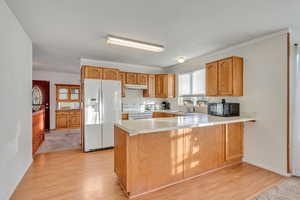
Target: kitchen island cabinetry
[182, 153]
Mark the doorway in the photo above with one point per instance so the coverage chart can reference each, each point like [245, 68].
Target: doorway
[44, 87]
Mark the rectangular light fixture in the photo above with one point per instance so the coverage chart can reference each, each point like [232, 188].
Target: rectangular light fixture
[134, 44]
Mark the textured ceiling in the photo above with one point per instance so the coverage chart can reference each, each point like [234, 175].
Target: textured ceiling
[63, 31]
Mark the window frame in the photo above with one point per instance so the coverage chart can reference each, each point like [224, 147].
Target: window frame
[191, 84]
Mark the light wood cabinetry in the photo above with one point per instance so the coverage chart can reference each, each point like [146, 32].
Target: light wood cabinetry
[225, 77]
[67, 119]
[38, 129]
[212, 79]
[183, 153]
[165, 86]
[131, 78]
[159, 86]
[110, 74]
[92, 72]
[150, 92]
[122, 78]
[124, 116]
[234, 141]
[142, 79]
[67, 93]
[203, 149]
[164, 114]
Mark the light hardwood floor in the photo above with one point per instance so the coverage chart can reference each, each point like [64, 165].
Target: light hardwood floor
[73, 175]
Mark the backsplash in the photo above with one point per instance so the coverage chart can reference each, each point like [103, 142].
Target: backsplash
[177, 103]
[135, 102]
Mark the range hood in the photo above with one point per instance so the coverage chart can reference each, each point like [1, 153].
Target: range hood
[136, 87]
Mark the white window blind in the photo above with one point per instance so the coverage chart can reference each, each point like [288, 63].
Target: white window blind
[192, 83]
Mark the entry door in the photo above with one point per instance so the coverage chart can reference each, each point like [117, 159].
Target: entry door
[111, 109]
[44, 87]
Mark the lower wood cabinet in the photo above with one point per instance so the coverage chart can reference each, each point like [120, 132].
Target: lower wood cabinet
[180, 154]
[67, 119]
[234, 141]
[203, 149]
[164, 114]
[38, 129]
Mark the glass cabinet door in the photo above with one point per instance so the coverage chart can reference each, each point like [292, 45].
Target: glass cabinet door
[63, 93]
[74, 94]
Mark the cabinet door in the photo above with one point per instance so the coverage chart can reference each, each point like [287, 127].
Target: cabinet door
[92, 72]
[124, 116]
[234, 141]
[225, 77]
[131, 78]
[62, 93]
[142, 79]
[122, 78]
[62, 120]
[74, 93]
[110, 74]
[74, 120]
[150, 92]
[170, 86]
[159, 84]
[211, 71]
[203, 149]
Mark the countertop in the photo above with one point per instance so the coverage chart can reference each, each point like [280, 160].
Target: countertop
[191, 120]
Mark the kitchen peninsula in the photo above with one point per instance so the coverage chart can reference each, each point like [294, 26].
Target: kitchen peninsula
[151, 154]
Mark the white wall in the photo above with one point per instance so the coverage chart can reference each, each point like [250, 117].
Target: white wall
[55, 78]
[15, 102]
[265, 94]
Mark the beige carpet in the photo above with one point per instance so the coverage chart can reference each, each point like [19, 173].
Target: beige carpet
[288, 189]
[60, 141]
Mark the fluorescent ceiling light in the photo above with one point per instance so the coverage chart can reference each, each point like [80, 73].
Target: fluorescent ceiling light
[134, 44]
[180, 59]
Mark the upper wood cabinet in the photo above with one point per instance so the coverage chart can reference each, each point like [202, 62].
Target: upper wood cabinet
[110, 74]
[225, 77]
[165, 86]
[212, 79]
[234, 141]
[159, 86]
[150, 92]
[131, 78]
[142, 79]
[92, 72]
[122, 78]
[67, 93]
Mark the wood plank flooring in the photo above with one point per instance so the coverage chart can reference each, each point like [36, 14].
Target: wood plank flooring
[73, 175]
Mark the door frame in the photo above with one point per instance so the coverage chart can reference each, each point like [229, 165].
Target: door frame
[47, 108]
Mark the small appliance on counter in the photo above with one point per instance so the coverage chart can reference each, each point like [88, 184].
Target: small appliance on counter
[165, 105]
[224, 109]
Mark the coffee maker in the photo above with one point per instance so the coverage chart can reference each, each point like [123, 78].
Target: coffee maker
[165, 105]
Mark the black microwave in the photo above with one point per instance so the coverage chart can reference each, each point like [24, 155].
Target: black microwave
[224, 109]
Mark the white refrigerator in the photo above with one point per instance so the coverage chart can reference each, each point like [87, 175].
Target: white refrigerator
[102, 109]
